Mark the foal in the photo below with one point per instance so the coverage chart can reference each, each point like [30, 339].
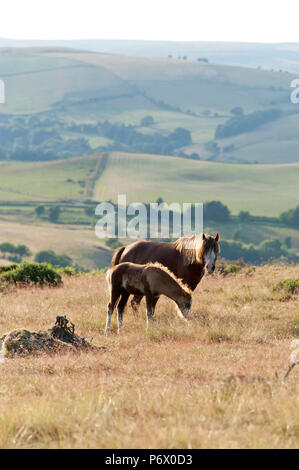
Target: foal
[149, 280]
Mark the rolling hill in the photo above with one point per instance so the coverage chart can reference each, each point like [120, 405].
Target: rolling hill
[269, 56]
[68, 86]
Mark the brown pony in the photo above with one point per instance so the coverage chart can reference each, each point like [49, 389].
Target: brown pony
[187, 258]
[151, 280]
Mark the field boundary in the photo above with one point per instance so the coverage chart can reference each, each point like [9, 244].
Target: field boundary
[92, 180]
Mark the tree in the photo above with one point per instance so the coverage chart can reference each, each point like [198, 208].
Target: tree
[147, 121]
[288, 242]
[291, 217]
[270, 249]
[246, 123]
[89, 211]
[22, 250]
[237, 111]
[215, 210]
[48, 256]
[244, 216]
[180, 137]
[7, 247]
[54, 213]
[39, 210]
[237, 235]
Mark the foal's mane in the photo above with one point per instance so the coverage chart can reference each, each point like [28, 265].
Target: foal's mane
[170, 273]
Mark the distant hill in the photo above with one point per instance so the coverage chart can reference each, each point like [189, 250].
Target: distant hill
[268, 56]
[66, 88]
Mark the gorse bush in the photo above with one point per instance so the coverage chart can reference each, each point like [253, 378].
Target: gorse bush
[233, 268]
[291, 286]
[5, 269]
[68, 271]
[31, 273]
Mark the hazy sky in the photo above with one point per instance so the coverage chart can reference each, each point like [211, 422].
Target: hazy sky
[183, 20]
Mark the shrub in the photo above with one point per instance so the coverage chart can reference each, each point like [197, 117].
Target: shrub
[233, 268]
[291, 286]
[67, 270]
[5, 269]
[28, 273]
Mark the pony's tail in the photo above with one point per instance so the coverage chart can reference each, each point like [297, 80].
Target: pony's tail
[117, 255]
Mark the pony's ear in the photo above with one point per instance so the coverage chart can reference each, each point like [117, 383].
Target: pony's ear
[217, 238]
[203, 236]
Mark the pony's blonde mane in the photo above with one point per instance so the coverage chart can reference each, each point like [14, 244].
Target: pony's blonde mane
[170, 273]
[193, 248]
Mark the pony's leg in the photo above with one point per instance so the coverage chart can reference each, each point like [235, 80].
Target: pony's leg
[135, 303]
[120, 309]
[113, 299]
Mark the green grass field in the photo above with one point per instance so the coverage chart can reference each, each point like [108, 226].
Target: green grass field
[144, 177]
[260, 189]
[45, 181]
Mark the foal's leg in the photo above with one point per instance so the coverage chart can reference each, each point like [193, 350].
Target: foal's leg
[109, 315]
[120, 309]
[115, 293]
[135, 303]
[150, 307]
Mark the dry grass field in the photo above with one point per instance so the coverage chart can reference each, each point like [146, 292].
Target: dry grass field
[213, 383]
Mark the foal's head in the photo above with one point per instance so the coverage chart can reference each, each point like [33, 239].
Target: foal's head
[210, 250]
[185, 306]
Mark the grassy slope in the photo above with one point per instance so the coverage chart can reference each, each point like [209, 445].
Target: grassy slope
[80, 243]
[210, 384]
[261, 189]
[276, 142]
[45, 181]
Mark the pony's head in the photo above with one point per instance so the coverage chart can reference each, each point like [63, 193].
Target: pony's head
[199, 249]
[209, 251]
